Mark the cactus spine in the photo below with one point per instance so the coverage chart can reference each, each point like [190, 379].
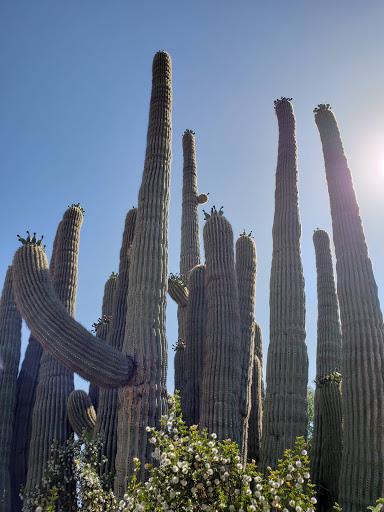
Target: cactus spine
[256, 412]
[285, 407]
[362, 467]
[219, 404]
[193, 352]
[10, 343]
[55, 382]
[107, 414]
[145, 399]
[327, 430]
[246, 269]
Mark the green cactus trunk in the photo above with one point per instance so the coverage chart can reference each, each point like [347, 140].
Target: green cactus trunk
[189, 252]
[144, 400]
[10, 347]
[107, 415]
[26, 392]
[362, 466]
[285, 407]
[256, 412]
[193, 351]
[55, 383]
[221, 380]
[326, 449]
[246, 270]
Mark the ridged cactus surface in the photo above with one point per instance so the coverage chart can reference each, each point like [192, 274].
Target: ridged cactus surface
[246, 271]
[221, 380]
[256, 413]
[362, 467]
[80, 411]
[285, 406]
[145, 399]
[327, 429]
[194, 347]
[10, 345]
[107, 414]
[55, 382]
[56, 330]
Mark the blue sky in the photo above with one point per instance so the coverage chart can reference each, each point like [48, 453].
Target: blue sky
[74, 102]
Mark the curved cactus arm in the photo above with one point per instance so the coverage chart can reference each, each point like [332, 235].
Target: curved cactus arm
[67, 340]
[362, 466]
[10, 343]
[80, 411]
[178, 291]
[246, 270]
[221, 379]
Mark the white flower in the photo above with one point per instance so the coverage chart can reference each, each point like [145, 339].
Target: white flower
[152, 440]
[214, 436]
[183, 482]
[39, 509]
[289, 476]
[314, 501]
[306, 475]
[175, 469]
[298, 464]
[292, 503]
[304, 452]
[175, 480]
[148, 429]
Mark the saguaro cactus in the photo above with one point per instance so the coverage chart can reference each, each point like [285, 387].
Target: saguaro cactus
[246, 268]
[80, 411]
[145, 399]
[327, 429]
[220, 388]
[256, 413]
[10, 342]
[285, 406]
[362, 467]
[194, 348]
[55, 382]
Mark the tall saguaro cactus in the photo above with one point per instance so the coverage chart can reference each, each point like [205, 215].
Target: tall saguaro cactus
[10, 343]
[285, 407]
[362, 467]
[256, 414]
[327, 429]
[220, 388]
[144, 400]
[246, 268]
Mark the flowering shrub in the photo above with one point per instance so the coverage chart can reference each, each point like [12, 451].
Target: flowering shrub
[196, 472]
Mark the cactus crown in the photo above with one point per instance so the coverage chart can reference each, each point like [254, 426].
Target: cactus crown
[104, 320]
[32, 240]
[77, 205]
[114, 275]
[322, 106]
[178, 277]
[283, 98]
[213, 212]
[179, 345]
[321, 381]
[189, 131]
[245, 234]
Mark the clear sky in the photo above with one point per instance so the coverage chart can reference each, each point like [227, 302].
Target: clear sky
[74, 103]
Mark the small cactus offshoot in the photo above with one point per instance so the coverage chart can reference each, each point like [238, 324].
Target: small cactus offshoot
[104, 320]
[114, 274]
[189, 131]
[77, 205]
[32, 240]
[322, 106]
[283, 98]
[179, 345]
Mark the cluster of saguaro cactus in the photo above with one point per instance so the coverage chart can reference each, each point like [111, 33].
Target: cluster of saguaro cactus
[218, 364]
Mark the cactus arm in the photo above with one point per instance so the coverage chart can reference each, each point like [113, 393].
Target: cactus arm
[193, 352]
[246, 268]
[67, 340]
[285, 406]
[178, 291]
[220, 395]
[80, 411]
[362, 465]
[10, 346]
[145, 400]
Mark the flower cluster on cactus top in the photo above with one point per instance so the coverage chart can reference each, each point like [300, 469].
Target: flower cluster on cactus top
[114, 274]
[178, 277]
[283, 98]
[322, 106]
[32, 240]
[213, 212]
[189, 131]
[104, 320]
[179, 345]
[321, 381]
[245, 234]
[77, 205]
